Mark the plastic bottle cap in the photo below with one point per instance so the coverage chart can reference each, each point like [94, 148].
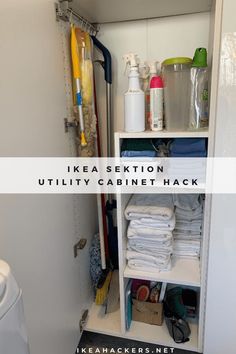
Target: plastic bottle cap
[156, 82]
[200, 58]
[179, 60]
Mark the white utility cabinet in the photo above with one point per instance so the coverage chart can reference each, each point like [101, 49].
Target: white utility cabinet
[189, 273]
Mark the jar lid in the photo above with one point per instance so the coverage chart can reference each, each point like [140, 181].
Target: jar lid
[178, 60]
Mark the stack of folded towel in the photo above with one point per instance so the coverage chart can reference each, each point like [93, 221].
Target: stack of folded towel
[187, 165]
[188, 147]
[187, 248]
[188, 228]
[150, 239]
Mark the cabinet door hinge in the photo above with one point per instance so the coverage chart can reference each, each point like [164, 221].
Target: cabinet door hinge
[83, 321]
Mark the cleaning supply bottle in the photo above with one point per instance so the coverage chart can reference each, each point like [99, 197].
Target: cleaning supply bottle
[199, 111]
[156, 103]
[134, 97]
[152, 72]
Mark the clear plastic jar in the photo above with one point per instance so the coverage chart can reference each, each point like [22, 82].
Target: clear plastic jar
[176, 77]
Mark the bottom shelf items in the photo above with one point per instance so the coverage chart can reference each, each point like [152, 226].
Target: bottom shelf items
[110, 324]
[159, 335]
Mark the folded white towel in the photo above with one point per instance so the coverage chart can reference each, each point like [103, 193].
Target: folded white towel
[152, 206]
[188, 226]
[187, 202]
[177, 254]
[138, 229]
[153, 248]
[139, 261]
[187, 248]
[186, 235]
[182, 214]
[150, 241]
[184, 244]
[153, 224]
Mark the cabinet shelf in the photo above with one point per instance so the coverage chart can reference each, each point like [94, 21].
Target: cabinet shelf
[184, 271]
[110, 324]
[159, 334]
[105, 324]
[164, 134]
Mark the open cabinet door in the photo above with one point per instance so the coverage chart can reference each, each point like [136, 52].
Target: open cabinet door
[38, 232]
[221, 303]
[37, 238]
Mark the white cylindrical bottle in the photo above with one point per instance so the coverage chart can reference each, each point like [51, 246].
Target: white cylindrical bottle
[134, 105]
[134, 99]
[156, 103]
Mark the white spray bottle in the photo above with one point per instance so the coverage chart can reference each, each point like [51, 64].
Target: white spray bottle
[134, 97]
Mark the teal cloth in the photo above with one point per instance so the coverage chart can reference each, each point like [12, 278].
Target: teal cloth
[137, 145]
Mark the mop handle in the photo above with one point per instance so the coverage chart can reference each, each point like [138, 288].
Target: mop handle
[77, 75]
[107, 59]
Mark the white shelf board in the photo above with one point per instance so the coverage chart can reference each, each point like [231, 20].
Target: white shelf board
[104, 11]
[160, 335]
[164, 134]
[184, 271]
[100, 323]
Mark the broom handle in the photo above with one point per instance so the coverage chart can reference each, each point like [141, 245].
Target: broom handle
[104, 250]
[108, 78]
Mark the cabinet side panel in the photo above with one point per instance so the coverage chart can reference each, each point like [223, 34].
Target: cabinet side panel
[213, 62]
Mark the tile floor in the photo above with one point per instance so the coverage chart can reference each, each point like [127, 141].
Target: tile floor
[95, 341]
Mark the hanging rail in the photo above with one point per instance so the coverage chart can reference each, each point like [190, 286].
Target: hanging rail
[65, 13]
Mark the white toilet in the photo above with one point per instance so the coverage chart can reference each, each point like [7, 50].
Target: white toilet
[13, 337]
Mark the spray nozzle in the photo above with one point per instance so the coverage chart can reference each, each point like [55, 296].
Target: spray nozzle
[144, 70]
[153, 66]
[131, 61]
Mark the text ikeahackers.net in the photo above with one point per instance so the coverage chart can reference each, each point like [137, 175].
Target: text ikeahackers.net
[94, 350]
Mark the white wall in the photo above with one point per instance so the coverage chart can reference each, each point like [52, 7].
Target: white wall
[37, 233]
[155, 39]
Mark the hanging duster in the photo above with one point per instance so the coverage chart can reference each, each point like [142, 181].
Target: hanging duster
[77, 76]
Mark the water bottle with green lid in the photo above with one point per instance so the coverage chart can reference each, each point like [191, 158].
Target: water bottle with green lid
[199, 111]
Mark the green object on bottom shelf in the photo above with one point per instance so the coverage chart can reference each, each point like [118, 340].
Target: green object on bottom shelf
[174, 302]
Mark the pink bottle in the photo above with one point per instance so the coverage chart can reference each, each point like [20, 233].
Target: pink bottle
[156, 103]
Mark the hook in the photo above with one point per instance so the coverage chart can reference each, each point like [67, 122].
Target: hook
[70, 18]
[84, 25]
[88, 28]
